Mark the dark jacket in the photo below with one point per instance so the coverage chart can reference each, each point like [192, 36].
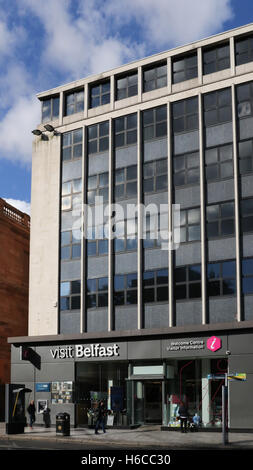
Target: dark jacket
[31, 409]
[183, 412]
[101, 412]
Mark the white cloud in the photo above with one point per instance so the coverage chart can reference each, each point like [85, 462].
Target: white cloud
[22, 206]
[16, 127]
[167, 23]
[84, 37]
[81, 37]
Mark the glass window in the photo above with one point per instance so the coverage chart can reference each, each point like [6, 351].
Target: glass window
[50, 109]
[70, 245]
[187, 282]
[71, 194]
[216, 58]
[185, 115]
[247, 215]
[155, 175]
[244, 95]
[220, 220]
[126, 86]
[217, 107]
[247, 276]
[186, 169]
[184, 68]
[70, 295]
[190, 225]
[221, 278]
[97, 292]
[243, 50]
[72, 146]
[125, 130]
[155, 286]
[155, 77]
[154, 123]
[100, 94]
[74, 102]
[125, 289]
[98, 137]
[125, 186]
[219, 163]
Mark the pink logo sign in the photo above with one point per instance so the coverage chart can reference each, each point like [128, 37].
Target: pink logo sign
[213, 343]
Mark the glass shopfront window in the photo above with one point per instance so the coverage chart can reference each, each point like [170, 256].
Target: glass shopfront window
[101, 381]
[155, 398]
[201, 395]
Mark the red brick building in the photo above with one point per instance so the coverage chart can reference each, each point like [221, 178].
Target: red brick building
[14, 278]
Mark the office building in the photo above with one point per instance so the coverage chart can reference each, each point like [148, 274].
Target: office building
[14, 279]
[124, 318]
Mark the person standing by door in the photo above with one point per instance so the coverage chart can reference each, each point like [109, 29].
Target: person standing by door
[183, 416]
[31, 411]
[101, 414]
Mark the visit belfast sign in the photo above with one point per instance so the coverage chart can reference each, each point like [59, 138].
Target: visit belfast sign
[86, 351]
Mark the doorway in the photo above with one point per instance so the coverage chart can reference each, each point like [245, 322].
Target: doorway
[152, 402]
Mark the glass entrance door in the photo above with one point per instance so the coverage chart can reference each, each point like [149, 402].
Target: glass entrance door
[152, 402]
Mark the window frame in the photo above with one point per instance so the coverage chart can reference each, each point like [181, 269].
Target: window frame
[73, 145]
[70, 195]
[125, 181]
[155, 175]
[249, 157]
[101, 135]
[220, 279]
[155, 68]
[187, 225]
[97, 293]
[73, 242]
[187, 170]
[75, 94]
[154, 121]
[215, 49]
[220, 220]
[125, 290]
[248, 50]
[219, 163]
[247, 275]
[126, 77]
[185, 115]
[52, 116]
[248, 215]
[126, 130]
[216, 108]
[100, 95]
[155, 285]
[185, 58]
[71, 296]
[187, 283]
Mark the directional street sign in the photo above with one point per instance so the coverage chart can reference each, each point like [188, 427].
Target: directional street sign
[237, 376]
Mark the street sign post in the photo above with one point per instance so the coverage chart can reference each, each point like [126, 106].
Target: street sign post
[236, 377]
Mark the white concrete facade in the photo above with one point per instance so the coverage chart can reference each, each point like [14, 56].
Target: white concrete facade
[46, 166]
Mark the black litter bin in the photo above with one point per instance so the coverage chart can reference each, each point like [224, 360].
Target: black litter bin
[63, 424]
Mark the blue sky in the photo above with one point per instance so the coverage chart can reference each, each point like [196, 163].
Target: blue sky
[45, 43]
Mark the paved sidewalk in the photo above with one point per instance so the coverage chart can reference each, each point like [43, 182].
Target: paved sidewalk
[142, 437]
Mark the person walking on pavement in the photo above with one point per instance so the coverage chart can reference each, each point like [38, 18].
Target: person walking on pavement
[183, 416]
[31, 411]
[101, 414]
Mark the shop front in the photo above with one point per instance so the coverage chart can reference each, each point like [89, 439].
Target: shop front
[140, 381]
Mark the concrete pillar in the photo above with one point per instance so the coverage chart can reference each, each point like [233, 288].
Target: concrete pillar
[206, 392]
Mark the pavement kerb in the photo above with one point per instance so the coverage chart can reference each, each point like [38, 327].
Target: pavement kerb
[118, 443]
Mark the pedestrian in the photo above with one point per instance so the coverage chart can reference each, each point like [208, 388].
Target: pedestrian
[46, 417]
[100, 417]
[31, 411]
[183, 416]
